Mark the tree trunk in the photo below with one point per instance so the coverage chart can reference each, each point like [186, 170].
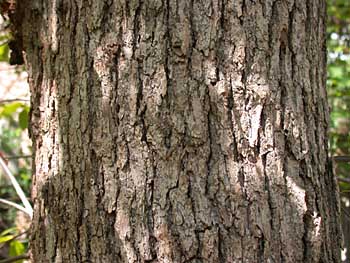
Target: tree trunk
[345, 222]
[180, 131]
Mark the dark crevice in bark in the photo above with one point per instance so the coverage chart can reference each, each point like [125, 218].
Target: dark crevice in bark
[210, 142]
[34, 111]
[114, 100]
[307, 119]
[282, 102]
[193, 39]
[283, 89]
[85, 185]
[219, 44]
[221, 253]
[307, 255]
[80, 216]
[139, 96]
[126, 166]
[77, 245]
[136, 29]
[272, 24]
[80, 213]
[144, 127]
[242, 246]
[271, 39]
[190, 195]
[245, 74]
[167, 142]
[244, 11]
[95, 180]
[308, 29]
[222, 23]
[245, 70]
[241, 179]
[132, 221]
[148, 195]
[236, 156]
[200, 245]
[72, 66]
[266, 179]
[112, 245]
[311, 200]
[106, 16]
[257, 148]
[290, 155]
[263, 7]
[261, 249]
[187, 138]
[168, 201]
[167, 47]
[54, 255]
[290, 35]
[282, 257]
[127, 8]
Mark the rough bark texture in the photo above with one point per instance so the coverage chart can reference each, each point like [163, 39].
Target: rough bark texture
[180, 131]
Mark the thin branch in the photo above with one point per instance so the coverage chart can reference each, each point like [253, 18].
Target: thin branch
[18, 157]
[20, 193]
[13, 100]
[13, 238]
[14, 259]
[343, 210]
[4, 43]
[10, 203]
[341, 159]
[344, 180]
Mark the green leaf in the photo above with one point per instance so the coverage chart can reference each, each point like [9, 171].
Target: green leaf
[23, 119]
[12, 230]
[335, 72]
[9, 109]
[17, 248]
[4, 53]
[4, 239]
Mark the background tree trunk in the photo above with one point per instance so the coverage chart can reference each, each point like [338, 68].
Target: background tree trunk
[345, 223]
[180, 131]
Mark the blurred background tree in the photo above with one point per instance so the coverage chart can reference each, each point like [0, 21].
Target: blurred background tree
[14, 148]
[338, 84]
[339, 81]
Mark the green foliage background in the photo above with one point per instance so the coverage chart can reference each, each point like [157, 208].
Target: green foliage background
[338, 82]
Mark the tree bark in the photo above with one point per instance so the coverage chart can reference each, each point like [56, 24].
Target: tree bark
[180, 131]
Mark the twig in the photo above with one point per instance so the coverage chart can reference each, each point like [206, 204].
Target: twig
[10, 203]
[13, 100]
[14, 259]
[18, 157]
[344, 180]
[20, 193]
[341, 159]
[15, 237]
[4, 43]
[343, 210]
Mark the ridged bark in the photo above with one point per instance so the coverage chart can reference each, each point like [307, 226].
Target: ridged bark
[180, 131]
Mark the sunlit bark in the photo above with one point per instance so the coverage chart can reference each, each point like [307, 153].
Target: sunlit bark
[180, 131]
